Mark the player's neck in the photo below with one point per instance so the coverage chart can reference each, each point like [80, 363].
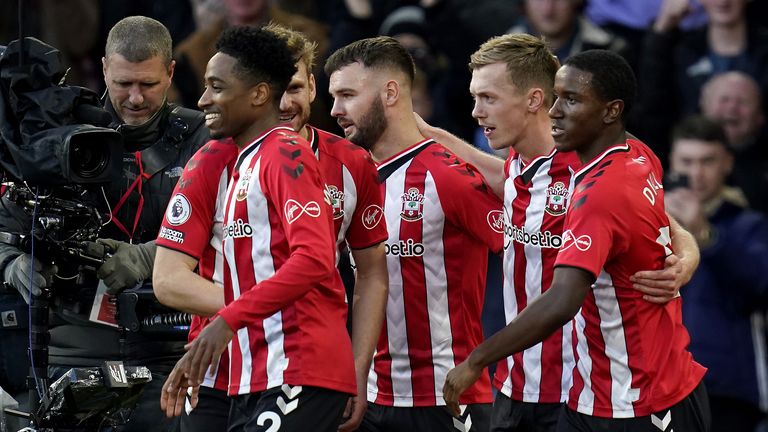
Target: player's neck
[256, 129]
[536, 141]
[608, 139]
[400, 134]
[304, 131]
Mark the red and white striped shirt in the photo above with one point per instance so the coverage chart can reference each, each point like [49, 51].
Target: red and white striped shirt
[283, 294]
[193, 225]
[536, 197]
[631, 355]
[354, 188]
[442, 218]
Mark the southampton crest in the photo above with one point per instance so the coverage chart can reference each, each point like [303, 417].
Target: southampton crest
[337, 200]
[413, 204]
[243, 184]
[557, 199]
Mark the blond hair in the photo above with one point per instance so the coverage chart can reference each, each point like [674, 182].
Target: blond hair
[302, 48]
[528, 60]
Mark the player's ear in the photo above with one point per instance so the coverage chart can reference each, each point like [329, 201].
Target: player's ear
[391, 92]
[613, 110]
[536, 100]
[260, 94]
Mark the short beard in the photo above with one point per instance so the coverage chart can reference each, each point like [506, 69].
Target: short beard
[371, 126]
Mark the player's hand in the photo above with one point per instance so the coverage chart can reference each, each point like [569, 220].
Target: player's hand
[456, 382]
[204, 352]
[424, 127]
[353, 413]
[661, 286]
[175, 389]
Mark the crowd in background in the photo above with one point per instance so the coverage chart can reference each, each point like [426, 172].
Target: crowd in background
[707, 57]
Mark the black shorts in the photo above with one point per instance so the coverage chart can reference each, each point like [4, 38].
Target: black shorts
[690, 415]
[288, 409]
[210, 414]
[379, 418]
[514, 416]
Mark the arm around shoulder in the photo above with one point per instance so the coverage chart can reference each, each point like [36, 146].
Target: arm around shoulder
[490, 166]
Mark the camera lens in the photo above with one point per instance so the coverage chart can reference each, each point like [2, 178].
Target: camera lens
[88, 158]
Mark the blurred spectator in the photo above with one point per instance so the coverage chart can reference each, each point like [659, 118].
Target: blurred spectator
[207, 12]
[675, 64]
[71, 26]
[725, 301]
[560, 23]
[193, 53]
[734, 100]
[406, 24]
[630, 19]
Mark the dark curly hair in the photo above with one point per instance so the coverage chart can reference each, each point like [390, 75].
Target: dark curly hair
[261, 56]
[612, 77]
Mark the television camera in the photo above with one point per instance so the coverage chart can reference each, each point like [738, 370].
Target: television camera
[57, 152]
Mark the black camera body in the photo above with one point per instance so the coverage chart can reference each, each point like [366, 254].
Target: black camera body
[56, 154]
[674, 181]
[51, 134]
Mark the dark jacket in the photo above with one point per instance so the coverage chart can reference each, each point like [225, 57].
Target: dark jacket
[165, 144]
[725, 303]
[673, 68]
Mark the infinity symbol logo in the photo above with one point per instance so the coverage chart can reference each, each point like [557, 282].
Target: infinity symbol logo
[371, 216]
[495, 219]
[294, 209]
[582, 243]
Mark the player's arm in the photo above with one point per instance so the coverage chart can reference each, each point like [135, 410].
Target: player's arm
[489, 165]
[547, 313]
[661, 286]
[178, 286]
[368, 307]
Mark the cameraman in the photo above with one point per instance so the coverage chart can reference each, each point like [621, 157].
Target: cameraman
[159, 138]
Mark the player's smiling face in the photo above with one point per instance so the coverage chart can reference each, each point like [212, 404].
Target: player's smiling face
[500, 106]
[578, 112]
[226, 100]
[296, 101]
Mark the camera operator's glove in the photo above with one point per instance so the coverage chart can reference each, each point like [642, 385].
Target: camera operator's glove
[129, 264]
[28, 275]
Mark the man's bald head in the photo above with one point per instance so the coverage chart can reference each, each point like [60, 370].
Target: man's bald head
[734, 99]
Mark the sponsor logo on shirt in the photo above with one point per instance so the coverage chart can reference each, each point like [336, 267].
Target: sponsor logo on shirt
[179, 210]
[294, 210]
[540, 239]
[413, 205]
[582, 243]
[408, 248]
[243, 184]
[171, 235]
[495, 220]
[337, 200]
[371, 216]
[238, 229]
[557, 199]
